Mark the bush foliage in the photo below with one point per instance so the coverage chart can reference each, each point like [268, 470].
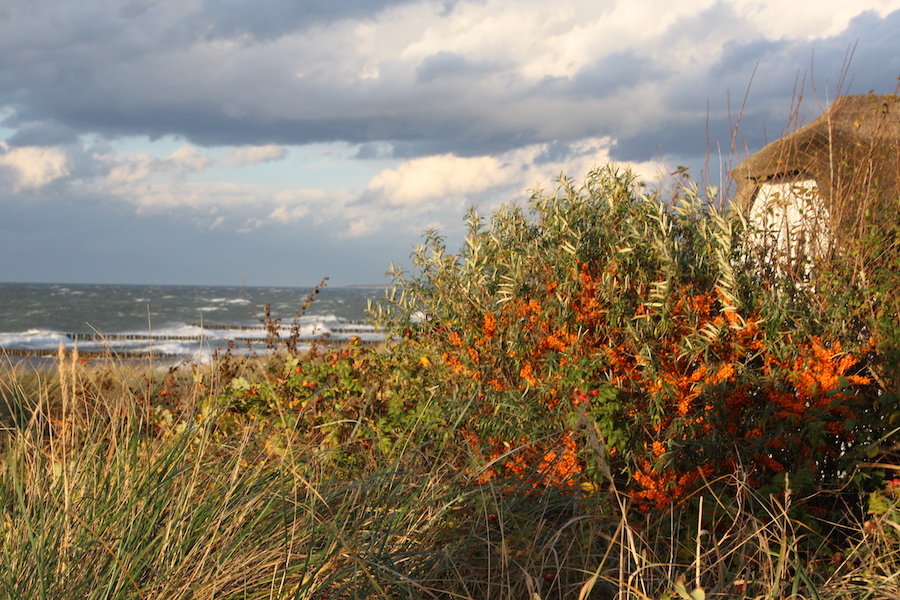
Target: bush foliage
[642, 319]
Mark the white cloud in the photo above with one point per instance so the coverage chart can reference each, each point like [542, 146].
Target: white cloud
[423, 182]
[432, 192]
[288, 214]
[161, 185]
[298, 206]
[444, 176]
[134, 168]
[241, 157]
[30, 168]
[540, 39]
[293, 205]
[201, 196]
[800, 20]
[127, 170]
[358, 228]
[186, 159]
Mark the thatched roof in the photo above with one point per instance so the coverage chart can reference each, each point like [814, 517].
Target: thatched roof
[851, 150]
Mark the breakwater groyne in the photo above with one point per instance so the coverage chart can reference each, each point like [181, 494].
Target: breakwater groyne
[349, 328]
[209, 340]
[47, 352]
[143, 337]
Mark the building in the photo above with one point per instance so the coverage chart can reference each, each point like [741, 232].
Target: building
[807, 193]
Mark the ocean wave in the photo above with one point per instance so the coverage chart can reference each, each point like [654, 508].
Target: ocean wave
[188, 320]
[188, 340]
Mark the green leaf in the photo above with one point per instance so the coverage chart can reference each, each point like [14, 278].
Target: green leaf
[239, 384]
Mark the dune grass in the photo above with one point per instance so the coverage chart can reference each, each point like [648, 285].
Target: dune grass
[99, 502]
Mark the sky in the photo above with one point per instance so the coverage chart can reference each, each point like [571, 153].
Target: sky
[276, 142]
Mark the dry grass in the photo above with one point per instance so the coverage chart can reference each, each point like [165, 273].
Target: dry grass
[101, 502]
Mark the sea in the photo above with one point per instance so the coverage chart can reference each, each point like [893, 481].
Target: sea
[187, 323]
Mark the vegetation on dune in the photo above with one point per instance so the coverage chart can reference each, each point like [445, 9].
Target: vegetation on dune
[601, 395]
[642, 320]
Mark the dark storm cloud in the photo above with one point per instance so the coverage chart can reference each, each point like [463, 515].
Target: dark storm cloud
[554, 152]
[451, 64]
[148, 68]
[688, 137]
[274, 18]
[743, 56]
[771, 74]
[611, 74]
[373, 150]
[43, 134]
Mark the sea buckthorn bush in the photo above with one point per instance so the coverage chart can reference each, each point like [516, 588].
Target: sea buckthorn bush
[640, 319]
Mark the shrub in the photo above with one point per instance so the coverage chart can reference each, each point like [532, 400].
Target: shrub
[608, 312]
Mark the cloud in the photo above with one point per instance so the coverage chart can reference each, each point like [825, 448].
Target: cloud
[478, 78]
[295, 205]
[488, 180]
[135, 168]
[163, 185]
[268, 20]
[201, 196]
[450, 65]
[358, 228]
[43, 134]
[613, 72]
[444, 176]
[30, 168]
[186, 159]
[285, 214]
[254, 155]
